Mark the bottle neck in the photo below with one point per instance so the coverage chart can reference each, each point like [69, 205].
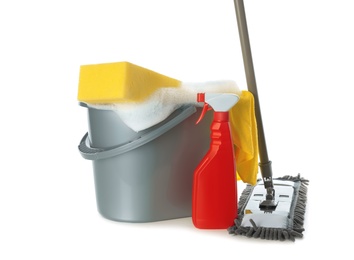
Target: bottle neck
[221, 116]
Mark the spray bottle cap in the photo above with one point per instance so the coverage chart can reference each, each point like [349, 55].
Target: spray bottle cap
[219, 102]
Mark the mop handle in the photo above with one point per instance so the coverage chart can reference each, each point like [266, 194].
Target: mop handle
[265, 164]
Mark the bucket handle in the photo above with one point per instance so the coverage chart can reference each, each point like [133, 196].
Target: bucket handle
[91, 153]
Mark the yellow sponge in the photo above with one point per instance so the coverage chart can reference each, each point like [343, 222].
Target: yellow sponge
[119, 82]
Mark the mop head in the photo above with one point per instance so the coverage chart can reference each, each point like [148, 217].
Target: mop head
[285, 222]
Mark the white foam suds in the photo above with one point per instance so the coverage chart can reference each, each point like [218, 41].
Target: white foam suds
[141, 115]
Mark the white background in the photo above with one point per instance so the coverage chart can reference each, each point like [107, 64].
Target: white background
[303, 56]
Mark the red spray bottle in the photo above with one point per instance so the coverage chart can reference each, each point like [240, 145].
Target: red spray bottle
[214, 200]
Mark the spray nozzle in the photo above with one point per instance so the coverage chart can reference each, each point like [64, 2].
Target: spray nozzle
[219, 102]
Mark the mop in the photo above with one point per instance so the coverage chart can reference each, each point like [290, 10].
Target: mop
[274, 208]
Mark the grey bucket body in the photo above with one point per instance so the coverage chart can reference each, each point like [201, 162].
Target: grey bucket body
[145, 176]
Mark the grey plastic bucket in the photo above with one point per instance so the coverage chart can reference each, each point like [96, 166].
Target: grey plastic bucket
[145, 176]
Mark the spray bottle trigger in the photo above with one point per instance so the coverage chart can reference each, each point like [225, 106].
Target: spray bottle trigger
[202, 114]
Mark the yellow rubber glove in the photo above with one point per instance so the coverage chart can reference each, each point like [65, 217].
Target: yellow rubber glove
[244, 137]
